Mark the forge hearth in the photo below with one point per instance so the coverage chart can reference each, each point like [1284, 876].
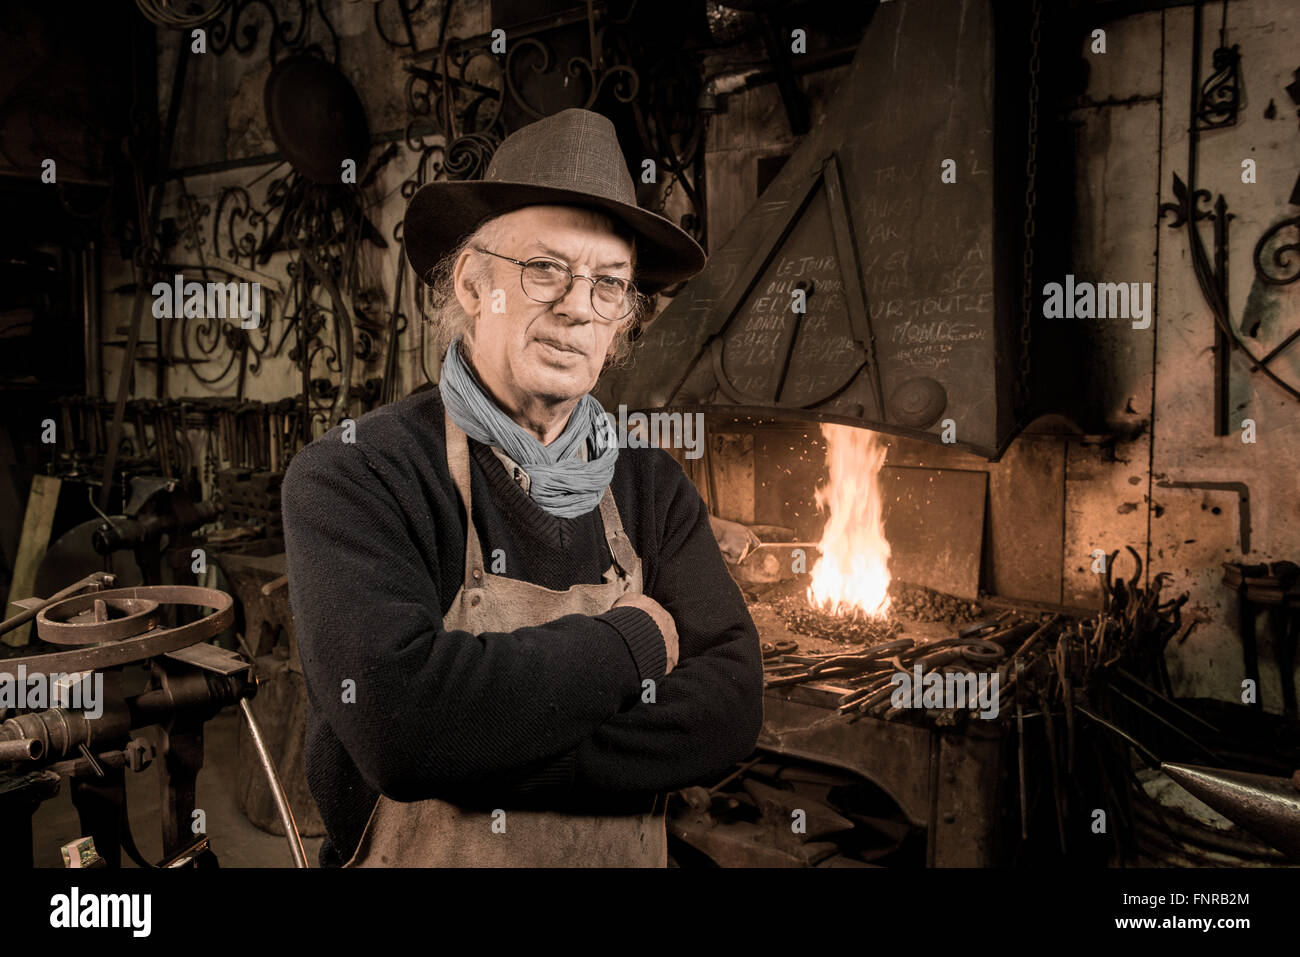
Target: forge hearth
[914, 611]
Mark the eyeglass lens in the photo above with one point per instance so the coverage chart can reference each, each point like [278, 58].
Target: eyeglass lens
[548, 281]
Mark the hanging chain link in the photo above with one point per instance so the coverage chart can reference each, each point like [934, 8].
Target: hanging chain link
[1031, 200]
[668, 192]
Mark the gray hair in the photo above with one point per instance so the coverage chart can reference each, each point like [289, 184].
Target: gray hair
[450, 320]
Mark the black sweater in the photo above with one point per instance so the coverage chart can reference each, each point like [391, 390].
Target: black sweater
[544, 716]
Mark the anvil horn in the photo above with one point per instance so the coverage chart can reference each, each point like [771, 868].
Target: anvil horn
[1266, 806]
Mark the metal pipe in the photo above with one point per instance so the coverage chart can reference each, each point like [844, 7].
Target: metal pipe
[22, 749]
[277, 789]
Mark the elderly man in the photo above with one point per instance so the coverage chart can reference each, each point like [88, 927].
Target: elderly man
[516, 636]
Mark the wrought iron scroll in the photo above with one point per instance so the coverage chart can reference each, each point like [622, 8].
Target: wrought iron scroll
[241, 30]
[1278, 264]
[450, 99]
[621, 80]
[1221, 92]
[239, 228]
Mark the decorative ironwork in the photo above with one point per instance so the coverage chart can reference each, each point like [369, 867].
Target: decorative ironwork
[239, 229]
[453, 101]
[440, 81]
[1182, 210]
[1221, 92]
[1213, 279]
[1186, 213]
[327, 318]
[622, 80]
[1284, 257]
[192, 237]
[243, 37]
[161, 13]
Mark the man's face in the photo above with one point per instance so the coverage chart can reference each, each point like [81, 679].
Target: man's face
[535, 350]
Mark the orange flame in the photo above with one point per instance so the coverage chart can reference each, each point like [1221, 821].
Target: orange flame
[852, 575]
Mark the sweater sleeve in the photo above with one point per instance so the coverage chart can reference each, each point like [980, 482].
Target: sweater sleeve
[707, 713]
[424, 711]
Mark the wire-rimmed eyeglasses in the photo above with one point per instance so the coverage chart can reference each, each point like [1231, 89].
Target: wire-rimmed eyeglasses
[548, 280]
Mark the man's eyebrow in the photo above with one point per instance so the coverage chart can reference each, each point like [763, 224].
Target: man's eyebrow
[559, 255]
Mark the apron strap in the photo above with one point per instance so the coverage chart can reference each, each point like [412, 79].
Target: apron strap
[458, 465]
[620, 546]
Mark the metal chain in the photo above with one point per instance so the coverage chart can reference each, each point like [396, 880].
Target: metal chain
[668, 192]
[1031, 200]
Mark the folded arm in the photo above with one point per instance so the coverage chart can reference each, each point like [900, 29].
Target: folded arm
[706, 714]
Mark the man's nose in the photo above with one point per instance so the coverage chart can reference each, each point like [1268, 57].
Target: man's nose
[575, 305]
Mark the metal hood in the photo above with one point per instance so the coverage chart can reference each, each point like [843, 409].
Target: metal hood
[910, 284]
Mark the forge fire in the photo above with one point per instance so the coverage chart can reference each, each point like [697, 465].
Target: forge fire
[851, 575]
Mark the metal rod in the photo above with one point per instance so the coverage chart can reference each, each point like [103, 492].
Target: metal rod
[1034, 637]
[1123, 734]
[1272, 355]
[95, 579]
[277, 789]
[737, 773]
[1168, 724]
[1173, 704]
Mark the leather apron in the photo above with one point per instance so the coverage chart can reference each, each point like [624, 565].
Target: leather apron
[437, 833]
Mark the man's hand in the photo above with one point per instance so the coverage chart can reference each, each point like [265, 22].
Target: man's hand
[667, 627]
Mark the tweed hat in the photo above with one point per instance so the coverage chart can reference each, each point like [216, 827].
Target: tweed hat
[571, 158]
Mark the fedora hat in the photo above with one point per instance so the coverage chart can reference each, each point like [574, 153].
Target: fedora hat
[571, 158]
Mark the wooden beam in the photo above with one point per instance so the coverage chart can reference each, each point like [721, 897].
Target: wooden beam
[42, 502]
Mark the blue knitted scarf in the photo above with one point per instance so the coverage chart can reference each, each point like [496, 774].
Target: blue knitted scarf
[559, 480]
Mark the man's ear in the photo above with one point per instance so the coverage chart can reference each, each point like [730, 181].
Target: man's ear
[462, 282]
